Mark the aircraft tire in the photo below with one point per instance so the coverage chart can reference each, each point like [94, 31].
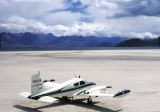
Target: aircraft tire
[89, 100]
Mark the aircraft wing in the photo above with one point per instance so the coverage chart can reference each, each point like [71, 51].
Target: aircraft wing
[117, 94]
[46, 99]
[103, 91]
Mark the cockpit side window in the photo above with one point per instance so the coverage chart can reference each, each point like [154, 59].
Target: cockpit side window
[76, 84]
[82, 82]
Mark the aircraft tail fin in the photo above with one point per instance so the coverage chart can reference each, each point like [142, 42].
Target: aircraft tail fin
[36, 84]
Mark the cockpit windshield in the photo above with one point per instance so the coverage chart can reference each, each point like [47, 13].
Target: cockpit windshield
[76, 84]
[82, 83]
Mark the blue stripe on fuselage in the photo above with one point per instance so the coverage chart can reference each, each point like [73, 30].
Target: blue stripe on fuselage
[62, 91]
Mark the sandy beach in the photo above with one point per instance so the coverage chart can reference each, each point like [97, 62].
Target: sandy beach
[137, 70]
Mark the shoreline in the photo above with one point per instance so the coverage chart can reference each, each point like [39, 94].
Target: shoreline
[81, 48]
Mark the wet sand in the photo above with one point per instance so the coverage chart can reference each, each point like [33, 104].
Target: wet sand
[138, 70]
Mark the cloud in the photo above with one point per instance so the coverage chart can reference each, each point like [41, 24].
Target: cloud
[18, 24]
[137, 24]
[144, 7]
[28, 8]
[125, 18]
[62, 17]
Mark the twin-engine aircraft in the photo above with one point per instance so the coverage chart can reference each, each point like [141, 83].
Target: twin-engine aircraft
[76, 88]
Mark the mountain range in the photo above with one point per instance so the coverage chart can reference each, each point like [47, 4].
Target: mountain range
[33, 41]
[137, 42]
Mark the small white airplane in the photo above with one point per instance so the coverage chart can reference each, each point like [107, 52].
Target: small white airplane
[76, 88]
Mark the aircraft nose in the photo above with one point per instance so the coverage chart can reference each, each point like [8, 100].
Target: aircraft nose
[92, 83]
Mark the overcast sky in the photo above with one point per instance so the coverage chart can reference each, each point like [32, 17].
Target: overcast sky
[131, 18]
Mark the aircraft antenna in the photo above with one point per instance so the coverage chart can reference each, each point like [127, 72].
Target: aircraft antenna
[75, 76]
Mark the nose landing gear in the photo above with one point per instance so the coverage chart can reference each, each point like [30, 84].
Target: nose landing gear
[89, 100]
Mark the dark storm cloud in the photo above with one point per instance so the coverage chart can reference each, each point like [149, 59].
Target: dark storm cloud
[139, 7]
[75, 6]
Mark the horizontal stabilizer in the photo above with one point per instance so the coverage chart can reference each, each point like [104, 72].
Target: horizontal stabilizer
[47, 99]
[122, 93]
[25, 94]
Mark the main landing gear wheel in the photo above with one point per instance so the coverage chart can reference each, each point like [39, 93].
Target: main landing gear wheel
[71, 100]
[89, 100]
